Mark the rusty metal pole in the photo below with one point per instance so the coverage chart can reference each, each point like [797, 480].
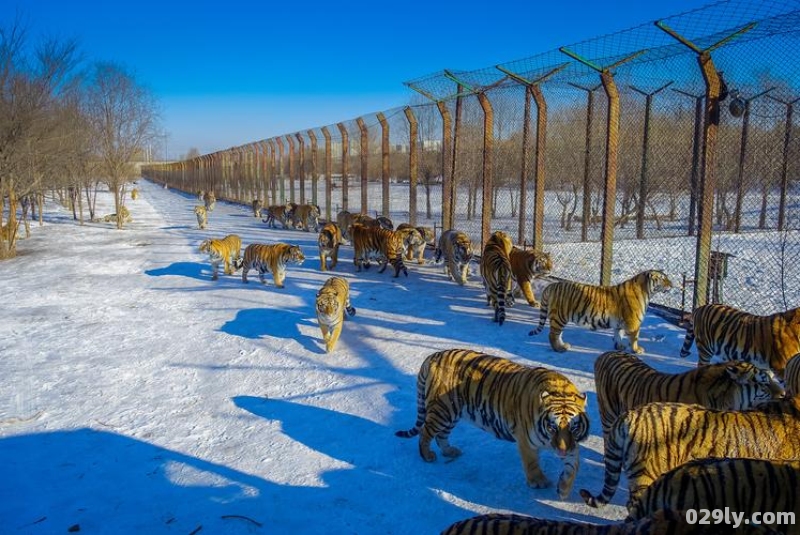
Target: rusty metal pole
[385, 186]
[488, 152]
[271, 171]
[301, 168]
[345, 158]
[281, 184]
[328, 171]
[292, 167]
[364, 163]
[708, 181]
[313, 137]
[586, 207]
[787, 138]
[533, 89]
[453, 192]
[413, 165]
[610, 193]
[448, 204]
[643, 177]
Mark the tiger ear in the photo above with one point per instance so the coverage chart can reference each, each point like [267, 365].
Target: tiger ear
[545, 394]
[739, 375]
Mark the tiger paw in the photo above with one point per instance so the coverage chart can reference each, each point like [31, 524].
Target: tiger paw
[540, 482]
[451, 452]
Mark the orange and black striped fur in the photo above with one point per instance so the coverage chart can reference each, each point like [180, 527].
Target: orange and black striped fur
[621, 307]
[413, 242]
[527, 265]
[648, 441]
[209, 201]
[385, 245]
[496, 273]
[417, 248]
[227, 250]
[663, 522]
[270, 258]
[333, 300]
[745, 486]
[535, 407]
[279, 212]
[456, 249]
[305, 216]
[624, 381]
[791, 376]
[257, 205]
[329, 240]
[766, 341]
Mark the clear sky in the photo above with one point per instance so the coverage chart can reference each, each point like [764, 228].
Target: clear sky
[227, 73]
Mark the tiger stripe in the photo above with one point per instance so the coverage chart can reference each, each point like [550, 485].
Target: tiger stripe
[496, 273]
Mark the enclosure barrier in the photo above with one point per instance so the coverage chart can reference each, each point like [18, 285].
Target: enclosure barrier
[693, 148]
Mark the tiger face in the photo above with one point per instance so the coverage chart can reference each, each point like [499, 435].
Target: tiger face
[456, 249]
[563, 421]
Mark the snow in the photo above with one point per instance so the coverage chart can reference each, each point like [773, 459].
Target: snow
[140, 396]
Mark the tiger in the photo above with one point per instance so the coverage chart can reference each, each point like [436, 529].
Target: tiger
[279, 212]
[496, 273]
[661, 522]
[333, 300]
[271, 258]
[711, 484]
[417, 249]
[535, 407]
[134, 194]
[385, 244]
[305, 216]
[329, 240]
[650, 440]
[345, 220]
[257, 205]
[124, 212]
[456, 249]
[202, 216]
[766, 341]
[412, 241]
[209, 200]
[526, 266]
[791, 376]
[226, 250]
[624, 381]
[621, 307]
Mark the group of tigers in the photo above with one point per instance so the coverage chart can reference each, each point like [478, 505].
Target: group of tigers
[725, 434]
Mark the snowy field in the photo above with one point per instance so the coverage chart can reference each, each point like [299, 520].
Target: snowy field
[140, 396]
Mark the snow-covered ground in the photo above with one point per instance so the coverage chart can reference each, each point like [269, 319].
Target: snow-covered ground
[140, 396]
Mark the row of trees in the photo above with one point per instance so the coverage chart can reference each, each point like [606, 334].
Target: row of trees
[66, 126]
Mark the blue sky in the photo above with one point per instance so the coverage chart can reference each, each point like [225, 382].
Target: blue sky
[229, 73]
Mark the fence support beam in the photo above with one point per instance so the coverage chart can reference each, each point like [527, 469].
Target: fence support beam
[643, 178]
[301, 167]
[448, 203]
[313, 137]
[364, 163]
[282, 186]
[384, 163]
[533, 89]
[612, 156]
[787, 138]
[292, 168]
[345, 158]
[413, 165]
[586, 205]
[488, 182]
[708, 182]
[328, 171]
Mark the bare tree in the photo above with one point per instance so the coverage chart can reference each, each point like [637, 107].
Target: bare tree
[123, 116]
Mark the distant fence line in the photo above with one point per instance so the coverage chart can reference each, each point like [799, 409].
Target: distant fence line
[670, 145]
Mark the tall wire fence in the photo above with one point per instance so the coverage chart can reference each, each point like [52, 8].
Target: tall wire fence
[670, 145]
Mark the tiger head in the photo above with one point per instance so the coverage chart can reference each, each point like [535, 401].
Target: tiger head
[539, 263]
[205, 247]
[462, 248]
[563, 422]
[761, 383]
[329, 302]
[411, 237]
[657, 281]
[294, 254]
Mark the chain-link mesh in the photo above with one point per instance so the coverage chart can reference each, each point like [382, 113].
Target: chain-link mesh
[607, 153]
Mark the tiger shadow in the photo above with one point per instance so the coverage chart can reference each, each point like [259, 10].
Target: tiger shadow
[390, 466]
[192, 270]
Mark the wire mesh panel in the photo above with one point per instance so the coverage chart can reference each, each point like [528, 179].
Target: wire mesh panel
[669, 144]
